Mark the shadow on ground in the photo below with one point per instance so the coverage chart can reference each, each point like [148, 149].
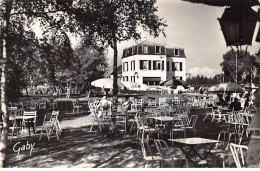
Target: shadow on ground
[77, 147]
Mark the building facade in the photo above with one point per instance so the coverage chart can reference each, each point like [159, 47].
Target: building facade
[151, 63]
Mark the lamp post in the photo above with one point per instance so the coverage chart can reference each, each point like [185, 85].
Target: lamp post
[238, 25]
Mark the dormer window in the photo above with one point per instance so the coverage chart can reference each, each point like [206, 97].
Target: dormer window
[176, 52]
[157, 49]
[145, 48]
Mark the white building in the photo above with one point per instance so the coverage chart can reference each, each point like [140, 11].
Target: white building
[151, 63]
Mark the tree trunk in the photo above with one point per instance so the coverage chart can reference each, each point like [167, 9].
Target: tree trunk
[115, 86]
[4, 133]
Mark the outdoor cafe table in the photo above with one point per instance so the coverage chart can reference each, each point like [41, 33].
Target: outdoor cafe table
[191, 143]
[28, 118]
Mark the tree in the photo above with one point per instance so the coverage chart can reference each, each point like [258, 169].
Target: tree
[245, 64]
[91, 65]
[116, 21]
[104, 22]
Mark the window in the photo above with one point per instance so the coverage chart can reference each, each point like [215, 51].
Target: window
[157, 49]
[126, 66]
[133, 50]
[145, 65]
[173, 66]
[151, 80]
[177, 66]
[180, 66]
[126, 78]
[168, 66]
[180, 78]
[126, 52]
[145, 48]
[156, 65]
[132, 65]
[162, 65]
[176, 52]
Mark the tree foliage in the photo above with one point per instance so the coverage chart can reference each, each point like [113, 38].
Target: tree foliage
[91, 65]
[201, 80]
[246, 65]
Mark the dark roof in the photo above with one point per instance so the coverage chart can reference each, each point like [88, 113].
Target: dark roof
[138, 50]
[170, 52]
[119, 70]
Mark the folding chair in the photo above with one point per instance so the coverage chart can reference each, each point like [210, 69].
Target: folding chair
[42, 104]
[166, 154]
[151, 102]
[148, 155]
[13, 126]
[33, 106]
[77, 107]
[51, 125]
[178, 130]
[238, 154]
[162, 101]
[143, 127]
[29, 113]
[191, 124]
[100, 118]
[221, 148]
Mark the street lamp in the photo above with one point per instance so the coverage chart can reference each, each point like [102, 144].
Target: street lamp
[238, 25]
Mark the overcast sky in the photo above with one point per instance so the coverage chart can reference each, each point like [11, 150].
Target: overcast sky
[195, 28]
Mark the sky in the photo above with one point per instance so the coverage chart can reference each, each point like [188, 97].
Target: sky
[195, 28]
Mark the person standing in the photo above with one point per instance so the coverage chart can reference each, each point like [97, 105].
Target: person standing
[236, 105]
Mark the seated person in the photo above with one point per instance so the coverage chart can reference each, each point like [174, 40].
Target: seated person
[126, 105]
[236, 105]
[104, 103]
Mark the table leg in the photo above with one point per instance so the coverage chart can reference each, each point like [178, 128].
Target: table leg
[125, 124]
[208, 151]
[28, 122]
[188, 156]
[33, 125]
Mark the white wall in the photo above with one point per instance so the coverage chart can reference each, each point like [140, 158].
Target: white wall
[164, 74]
[143, 73]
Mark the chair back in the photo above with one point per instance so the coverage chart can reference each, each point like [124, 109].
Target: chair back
[223, 140]
[12, 111]
[30, 113]
[54, 117]
[146, 148]
[238, 154]
[193, 120]
[33, 105]
[151, 102]
[133, 106]
[162, 101]
[163, 149]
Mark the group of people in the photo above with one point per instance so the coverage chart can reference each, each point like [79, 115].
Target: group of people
[106, 104]
[237, 101]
